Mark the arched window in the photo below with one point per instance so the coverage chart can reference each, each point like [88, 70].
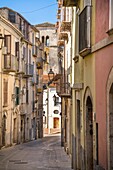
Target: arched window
[42, 39]
[47, 41]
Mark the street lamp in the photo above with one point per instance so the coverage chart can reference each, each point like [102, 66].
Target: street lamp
[51, 74]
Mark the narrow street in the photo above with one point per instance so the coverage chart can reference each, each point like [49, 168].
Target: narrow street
[41, 154]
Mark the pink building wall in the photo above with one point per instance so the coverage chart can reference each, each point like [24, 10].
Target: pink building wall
[103, 65]
[102, 19]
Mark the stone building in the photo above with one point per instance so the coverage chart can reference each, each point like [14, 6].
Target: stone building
[48, 38]
[19, 78]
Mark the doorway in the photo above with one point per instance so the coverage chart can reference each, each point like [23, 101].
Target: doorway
[111, 127]
[89, 134]
[15, 130]
[4, 130]
[56, 122]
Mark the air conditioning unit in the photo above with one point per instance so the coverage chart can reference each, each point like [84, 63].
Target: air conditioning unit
[4, 50]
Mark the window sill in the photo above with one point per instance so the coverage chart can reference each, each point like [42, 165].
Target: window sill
[110, 31]
[85, 52]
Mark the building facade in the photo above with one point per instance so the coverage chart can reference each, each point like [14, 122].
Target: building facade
[51, 115]
[91, 115]
[19, 78]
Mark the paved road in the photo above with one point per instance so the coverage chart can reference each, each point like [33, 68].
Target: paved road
[41, 154]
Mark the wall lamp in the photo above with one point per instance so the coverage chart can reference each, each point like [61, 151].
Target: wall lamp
[56, 100]
[50, 77]
[51, 74]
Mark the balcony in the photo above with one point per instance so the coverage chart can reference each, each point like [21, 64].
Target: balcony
[28, 71]
[35, 51]
[57, 25]
[63, 36]
[59, 11]
[65, 90]
[70, 3]
[39, 63]
[22, 109]
[10, 63]
[35, 80]
[85, 31]
[58, 16]
[60, 43]
[60, 2]
[21, 69]
[65, 26]
[39, 90]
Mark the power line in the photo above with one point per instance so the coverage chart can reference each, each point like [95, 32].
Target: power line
[39, 8]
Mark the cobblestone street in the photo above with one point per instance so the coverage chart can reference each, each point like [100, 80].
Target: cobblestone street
[41, 154]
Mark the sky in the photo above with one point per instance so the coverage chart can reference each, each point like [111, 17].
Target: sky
[34, 11]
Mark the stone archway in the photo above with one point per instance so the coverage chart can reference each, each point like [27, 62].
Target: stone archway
[110, 120]
[89, 133]
[88, 129]
[111, 127]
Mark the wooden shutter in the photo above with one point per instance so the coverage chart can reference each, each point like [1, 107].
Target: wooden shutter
[5, 91]
[16, 48]
[7, 43]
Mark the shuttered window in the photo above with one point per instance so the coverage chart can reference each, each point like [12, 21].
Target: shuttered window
[7, 43]
[5, 91]
[85, 31]
[16, 49]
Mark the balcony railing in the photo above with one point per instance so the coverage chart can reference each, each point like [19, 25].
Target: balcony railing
[21, 69]
[10, 63]
[65, 26]
[35, 79]
[39, 90]
[65, 90]
[60, 43]
[28, 70]
[35, 51]
[63, 36]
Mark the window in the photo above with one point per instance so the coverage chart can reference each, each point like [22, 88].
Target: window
[29, 56]
[12, 17]
[17, 95]
[47, 41]
[33, 102]
[7, 43]
[110, 14]
[42, 39]
[56, 111]
[20, 24]
[7, 57]
[56, 102]
[84, 31]
[27, 96]
[16, 49]
[5, 91]
[24, 52]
